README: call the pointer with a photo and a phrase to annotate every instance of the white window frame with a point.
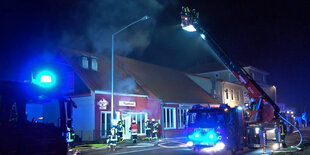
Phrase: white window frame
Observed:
(232, 94)
(238, 95)
(141, 122)
(172, 115)
(180, 111)
(94, 64)
(106, 113)
(85, 62)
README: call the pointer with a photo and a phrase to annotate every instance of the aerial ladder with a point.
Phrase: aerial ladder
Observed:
(266, 111)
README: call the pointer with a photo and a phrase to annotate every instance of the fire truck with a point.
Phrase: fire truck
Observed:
(226, 127)
(20, 135)
(215, 129)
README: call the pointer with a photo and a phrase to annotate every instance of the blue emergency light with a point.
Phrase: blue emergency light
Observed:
(44, 78)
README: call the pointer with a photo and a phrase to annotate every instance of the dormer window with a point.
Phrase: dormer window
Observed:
(84, 62)
(94, 64)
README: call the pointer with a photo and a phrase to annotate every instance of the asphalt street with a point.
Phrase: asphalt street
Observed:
(177, 146)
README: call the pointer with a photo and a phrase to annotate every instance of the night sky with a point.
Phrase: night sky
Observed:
(270, 35)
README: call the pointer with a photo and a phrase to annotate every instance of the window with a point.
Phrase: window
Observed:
(94, 64)
(140, 119)
(170, 118)
(232, 94)
(105, 124)
(182, 117)
(85, 62)
(226, 93)
(105, 127)
(238, 95)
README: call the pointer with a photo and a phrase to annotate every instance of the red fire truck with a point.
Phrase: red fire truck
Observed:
(229, 128)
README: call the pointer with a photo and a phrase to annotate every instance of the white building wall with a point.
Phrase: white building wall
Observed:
(84, 117)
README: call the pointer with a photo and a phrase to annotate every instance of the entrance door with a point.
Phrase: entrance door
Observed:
(127, 123)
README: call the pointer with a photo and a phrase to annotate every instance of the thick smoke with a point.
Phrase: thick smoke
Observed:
(93, 23)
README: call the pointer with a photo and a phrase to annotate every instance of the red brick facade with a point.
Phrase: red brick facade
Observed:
(143, 104)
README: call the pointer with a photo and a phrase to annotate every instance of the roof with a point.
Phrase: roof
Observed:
(101, 79)
(166, 84)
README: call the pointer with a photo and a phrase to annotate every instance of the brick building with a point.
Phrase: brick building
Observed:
(142, 91)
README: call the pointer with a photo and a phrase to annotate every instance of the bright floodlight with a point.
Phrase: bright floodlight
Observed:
(189, 143)
(203, 36)
(211, 136)
(239, 108)
(257, 130)
(219, 146)
(189, 28)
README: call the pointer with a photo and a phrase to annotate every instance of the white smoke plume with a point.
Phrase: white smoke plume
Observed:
(93, 23)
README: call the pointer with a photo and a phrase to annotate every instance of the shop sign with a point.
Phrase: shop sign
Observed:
(127, 103)
(103, 104)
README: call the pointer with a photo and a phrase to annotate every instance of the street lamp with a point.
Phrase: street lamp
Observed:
(112, 66)
(275, 93)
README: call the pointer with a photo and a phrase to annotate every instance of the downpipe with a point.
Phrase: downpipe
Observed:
(301, 137)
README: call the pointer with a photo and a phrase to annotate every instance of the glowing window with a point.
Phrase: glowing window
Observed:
(85, 62)
(94, 64)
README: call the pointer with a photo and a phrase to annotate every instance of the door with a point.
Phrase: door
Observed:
(127, 123)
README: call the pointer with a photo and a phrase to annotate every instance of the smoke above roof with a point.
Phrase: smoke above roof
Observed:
(93, 22)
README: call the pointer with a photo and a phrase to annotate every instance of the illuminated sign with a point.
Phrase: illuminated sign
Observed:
(103, 104)
(127, 103)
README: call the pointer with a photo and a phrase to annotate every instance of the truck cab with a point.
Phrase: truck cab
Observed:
(215, 129)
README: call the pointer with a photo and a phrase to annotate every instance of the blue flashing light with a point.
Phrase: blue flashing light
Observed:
(45, 79)
(196, 135)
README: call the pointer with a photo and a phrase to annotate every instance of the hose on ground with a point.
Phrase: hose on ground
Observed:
(301, 137)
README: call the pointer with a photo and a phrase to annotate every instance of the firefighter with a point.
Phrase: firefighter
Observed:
(148, 127)
(252, 106)
(134, 131)
(120, 129)
(112, 138)
(155, 128)
(282, 133)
